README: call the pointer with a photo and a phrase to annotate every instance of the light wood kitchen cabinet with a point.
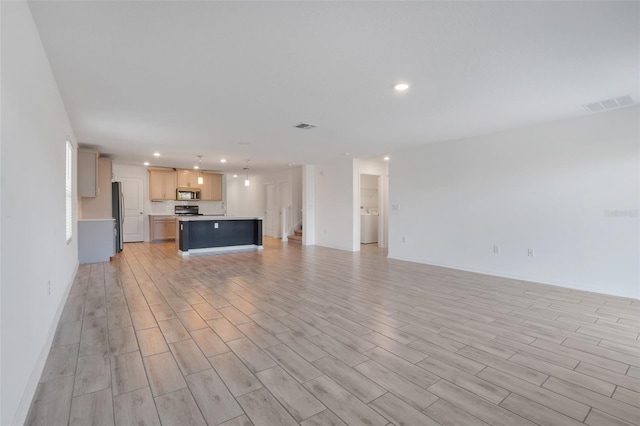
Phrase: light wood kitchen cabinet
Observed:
(88, 172)
(162, 184)
(162, 228)
(188, 179)
(211, 187)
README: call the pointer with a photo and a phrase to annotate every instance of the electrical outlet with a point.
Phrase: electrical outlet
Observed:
(404, 239)
(395, 207)
(49, 288)
(215, 225)
(531, 253)
(496, 249)
(325, 230)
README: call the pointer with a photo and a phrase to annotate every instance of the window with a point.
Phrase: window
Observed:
(69, 191)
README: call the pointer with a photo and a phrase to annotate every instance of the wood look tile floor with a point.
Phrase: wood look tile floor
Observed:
(314, 336)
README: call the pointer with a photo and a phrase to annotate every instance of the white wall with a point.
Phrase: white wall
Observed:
(336, 204)
(296, 188)
(35, 127)
(309, 205)
(544, 187)
(245, 201)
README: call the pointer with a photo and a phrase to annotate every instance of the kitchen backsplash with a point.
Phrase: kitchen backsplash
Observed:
(167, 207)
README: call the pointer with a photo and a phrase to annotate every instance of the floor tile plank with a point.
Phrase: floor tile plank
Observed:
(296, 399)
(360, 386)
(263, 409)
(396, 384)
(151, 341)
(215, 401)
(235, 374)
(136, 408)
(127, 373)
(93, 374)
(51, 403)
(92, 409)
(189, 357)
(476, 406)
(399, 412)
(294, 364)
(179, 408)
(164, 374)
(346, 406)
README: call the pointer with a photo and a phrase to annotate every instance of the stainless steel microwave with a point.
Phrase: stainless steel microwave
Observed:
(188, 194)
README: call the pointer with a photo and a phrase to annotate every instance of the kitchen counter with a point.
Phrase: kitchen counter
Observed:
(213, 217)
(201, 234)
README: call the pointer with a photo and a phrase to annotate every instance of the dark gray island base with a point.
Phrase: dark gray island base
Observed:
(202, 234)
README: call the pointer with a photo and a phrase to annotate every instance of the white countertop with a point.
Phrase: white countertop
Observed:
(214, 217)
(96, 220)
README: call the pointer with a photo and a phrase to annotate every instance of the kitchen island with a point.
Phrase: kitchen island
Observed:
(203, 234)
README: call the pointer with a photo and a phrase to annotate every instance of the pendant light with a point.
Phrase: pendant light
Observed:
(246, 181)
(200, 179)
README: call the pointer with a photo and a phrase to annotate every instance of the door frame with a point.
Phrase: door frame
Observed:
(280, 197)
(275, 213)
(141, 220)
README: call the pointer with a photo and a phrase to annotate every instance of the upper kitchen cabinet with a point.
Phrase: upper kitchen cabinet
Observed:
(98, 207)
(162, 184)
(188, 179)
(88, 172)
(211, 186)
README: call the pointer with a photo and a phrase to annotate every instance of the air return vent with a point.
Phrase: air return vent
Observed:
(305, 126)
(620, 102)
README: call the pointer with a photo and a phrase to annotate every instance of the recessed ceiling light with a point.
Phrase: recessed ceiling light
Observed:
(401, 87)
(156, 154)
(290, 164)
(386, 158)
(146, 163)
(222, 160)
(346, 154)
(196, 167)
(235, 176)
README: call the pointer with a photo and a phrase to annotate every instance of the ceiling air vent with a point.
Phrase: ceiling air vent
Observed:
(620, 102)
(305, 126)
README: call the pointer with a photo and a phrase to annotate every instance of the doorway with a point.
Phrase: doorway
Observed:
(133, 221)
(370, 206)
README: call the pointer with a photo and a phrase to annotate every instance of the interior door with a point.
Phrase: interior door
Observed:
(133, 221)
(270, 214)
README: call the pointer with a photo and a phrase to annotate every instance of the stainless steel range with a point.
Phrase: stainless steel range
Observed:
(187, 211)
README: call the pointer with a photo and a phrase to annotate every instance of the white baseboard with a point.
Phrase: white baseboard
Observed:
(546, 281)
(334, 247)
(30, 390)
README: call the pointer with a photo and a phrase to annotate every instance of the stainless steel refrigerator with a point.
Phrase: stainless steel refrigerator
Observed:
(117, 207)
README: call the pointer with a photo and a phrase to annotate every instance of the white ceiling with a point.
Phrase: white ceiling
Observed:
(188, 78)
